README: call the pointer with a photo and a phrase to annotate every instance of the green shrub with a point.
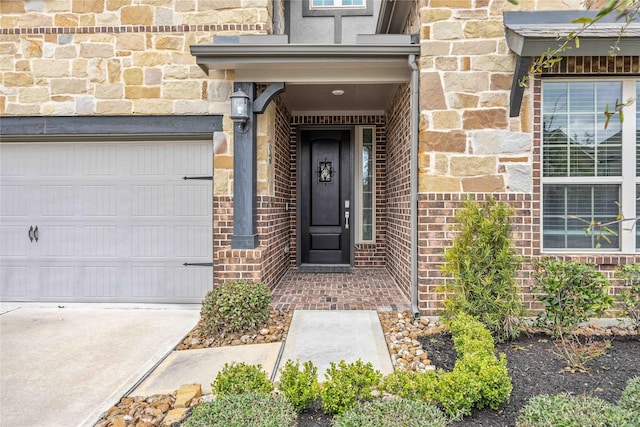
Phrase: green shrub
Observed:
(347, 384)
(234, 306)
(571, 292)
(630, 399)
(239, 378)
(569, 411)
(242, 410)
(411, 385)
(630, 297)
(392, 413)
(300, 387)
(479, 379)
(484, 264)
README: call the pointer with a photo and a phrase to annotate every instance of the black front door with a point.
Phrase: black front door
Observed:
(325, 182)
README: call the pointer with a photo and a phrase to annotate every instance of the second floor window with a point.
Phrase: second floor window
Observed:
(329, 4)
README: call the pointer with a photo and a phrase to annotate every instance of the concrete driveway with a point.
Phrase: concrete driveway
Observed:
(65, 366)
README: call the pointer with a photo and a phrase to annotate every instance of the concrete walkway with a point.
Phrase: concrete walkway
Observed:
(65, 366)
(320, 336)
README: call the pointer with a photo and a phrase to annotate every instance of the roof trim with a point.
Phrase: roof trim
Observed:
(532, 33)
(302, 57)
(36, 128)
(393, 16)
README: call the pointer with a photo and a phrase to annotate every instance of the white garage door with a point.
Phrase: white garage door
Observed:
(105, 221)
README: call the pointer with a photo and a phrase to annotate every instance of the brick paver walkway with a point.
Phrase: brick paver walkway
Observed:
(362, 289)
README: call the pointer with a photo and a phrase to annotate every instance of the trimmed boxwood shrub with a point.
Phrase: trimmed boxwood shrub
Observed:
(242, 410)
(239, 378)
(479, 379)
(348, 384)
(234, 306)
(299, 386)
(392, 413)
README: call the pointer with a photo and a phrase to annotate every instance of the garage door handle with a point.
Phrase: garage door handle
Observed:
(31, 233)
(35, 233)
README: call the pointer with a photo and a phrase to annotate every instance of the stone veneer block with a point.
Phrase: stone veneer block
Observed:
(461, 4)
(488, 184)
(450, 142)
(520, 178)
(11, 6)
(136, 15)
(473, 165)
(439, 184)
(17, 79)
(466, 82)
(431, 92)
(489, 118)
(87, 6)
(434, 15)
(500, 142)
(484, 29)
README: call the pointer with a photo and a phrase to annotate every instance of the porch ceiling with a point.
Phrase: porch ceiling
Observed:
(367, 73)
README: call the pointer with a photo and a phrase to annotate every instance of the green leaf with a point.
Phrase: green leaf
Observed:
(584, 20)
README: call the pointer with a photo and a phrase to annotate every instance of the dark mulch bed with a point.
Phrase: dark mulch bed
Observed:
(536, 369)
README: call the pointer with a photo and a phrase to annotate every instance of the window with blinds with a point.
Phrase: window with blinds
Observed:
(589, 166)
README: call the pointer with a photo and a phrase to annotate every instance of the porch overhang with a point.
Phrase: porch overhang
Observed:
(532, 34)
(299, 63)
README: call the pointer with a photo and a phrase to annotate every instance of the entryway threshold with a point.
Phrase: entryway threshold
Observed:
(324, 268)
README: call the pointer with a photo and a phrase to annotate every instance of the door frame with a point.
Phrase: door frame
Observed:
(299, 130)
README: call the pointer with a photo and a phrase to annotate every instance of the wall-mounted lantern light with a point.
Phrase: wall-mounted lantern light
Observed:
(240, 109)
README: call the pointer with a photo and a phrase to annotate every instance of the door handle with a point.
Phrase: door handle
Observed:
(35, 233)
(31, 233)
(346, 219)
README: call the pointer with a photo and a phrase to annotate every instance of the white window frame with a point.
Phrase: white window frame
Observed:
(627, 181)
(337, 4)
(359, 205)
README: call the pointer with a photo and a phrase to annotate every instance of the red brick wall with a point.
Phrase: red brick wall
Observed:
(399, 189)
(274, 221)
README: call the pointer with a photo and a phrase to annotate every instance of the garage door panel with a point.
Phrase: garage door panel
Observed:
(100, 281)
(191, 242)
(148, 241)
(13, 281)
(116, 221)
(148, 160)
(191, 200)
(148, 200)
(13, 240)
(100, 241)
(57, 240)
(57, 200)
(13, 201)
(99, 200)
(148, 282)
(58, 281)
(58, 162)
(99, 160)
(191, 281)
(192, 160)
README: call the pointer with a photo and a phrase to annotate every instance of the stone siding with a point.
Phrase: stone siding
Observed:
(468, 143)
(114, 57)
